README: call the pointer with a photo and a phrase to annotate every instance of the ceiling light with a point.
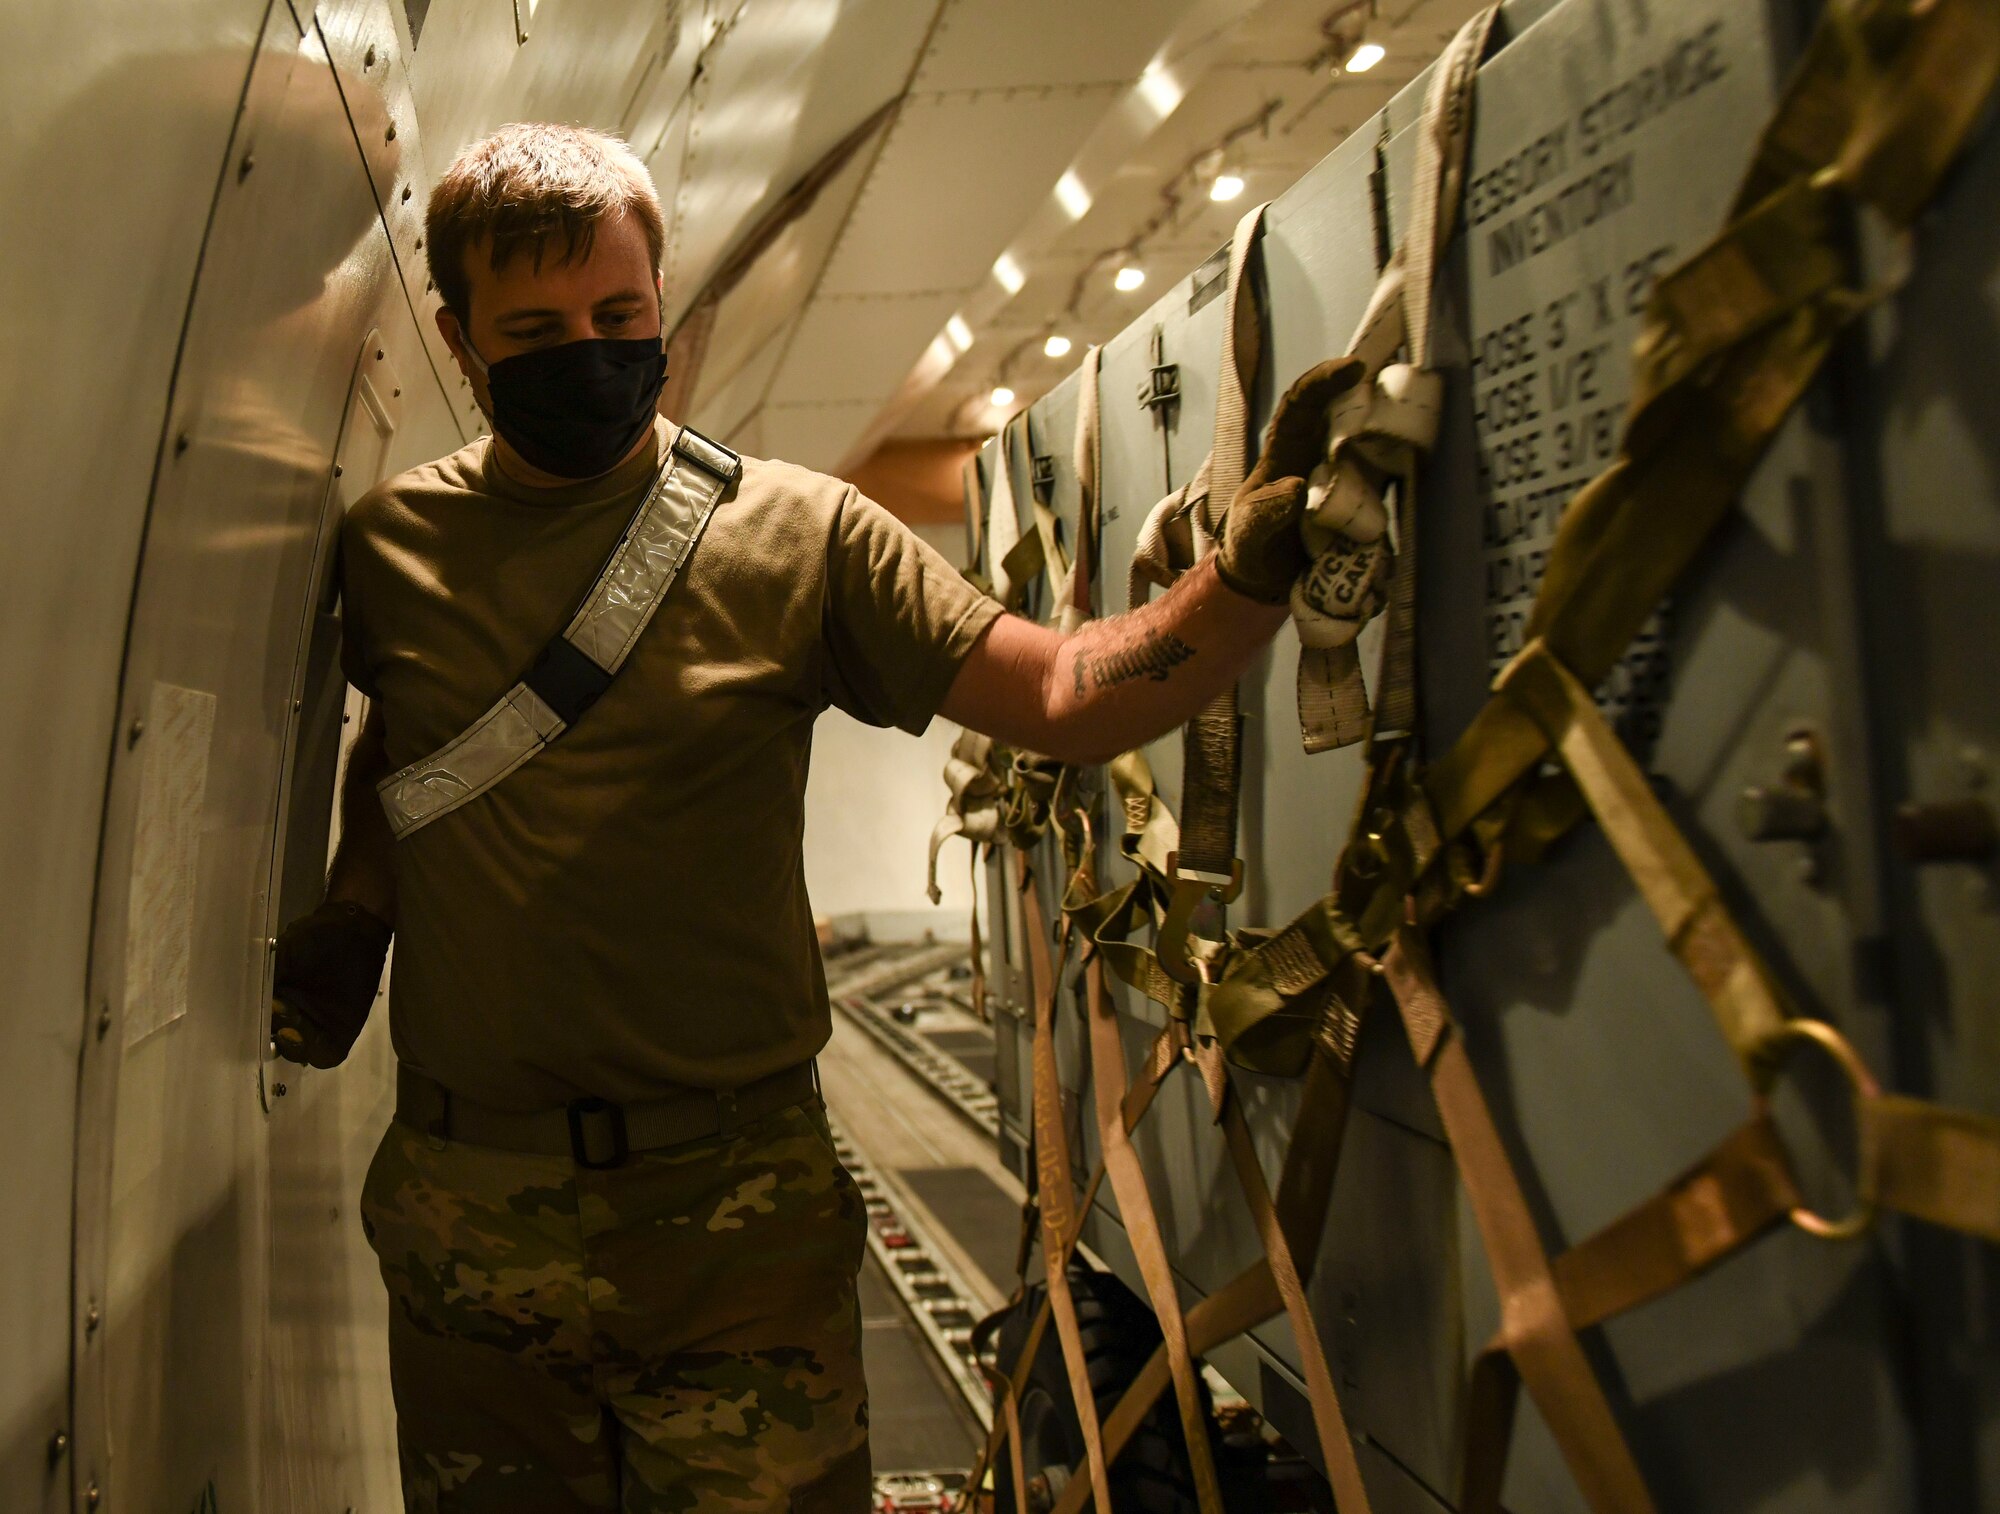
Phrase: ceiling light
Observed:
(1364, 57)
(1160, 89)
(1129, 279)
(1008, 272)
(1074, 197)
(958, 333)
(1056, 346)
(1227, 186)
(1002, 397)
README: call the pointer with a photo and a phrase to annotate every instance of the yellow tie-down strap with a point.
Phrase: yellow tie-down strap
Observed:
(578, 665)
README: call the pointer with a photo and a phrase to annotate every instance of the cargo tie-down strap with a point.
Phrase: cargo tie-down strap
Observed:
(1883, 102)
(1173, 877)
(1361, 502)
(996, 792)
(1180, 531)
(578, 665)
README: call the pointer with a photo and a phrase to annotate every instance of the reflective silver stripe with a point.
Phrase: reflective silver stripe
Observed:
(506, 736)
(646, 563)
(617, 609)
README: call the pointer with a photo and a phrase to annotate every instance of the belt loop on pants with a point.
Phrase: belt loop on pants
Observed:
(597, 1134)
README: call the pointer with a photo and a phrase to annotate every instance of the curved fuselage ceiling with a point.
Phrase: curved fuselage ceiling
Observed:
(880, 210)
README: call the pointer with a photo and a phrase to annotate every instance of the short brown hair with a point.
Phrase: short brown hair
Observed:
(528, 187)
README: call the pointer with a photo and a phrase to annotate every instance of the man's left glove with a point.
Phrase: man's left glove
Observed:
(323, 984)
(1263, 549)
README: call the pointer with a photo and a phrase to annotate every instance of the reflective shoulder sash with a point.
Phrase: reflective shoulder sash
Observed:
(578, 665)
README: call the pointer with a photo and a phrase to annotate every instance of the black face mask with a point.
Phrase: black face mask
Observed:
(577, 409)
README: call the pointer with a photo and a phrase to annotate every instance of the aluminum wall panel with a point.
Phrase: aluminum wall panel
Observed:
(184, 1128)
(97, 134)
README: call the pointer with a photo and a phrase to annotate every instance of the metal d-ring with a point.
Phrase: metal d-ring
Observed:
(1865, 1091)
(1088, 848)
(1489, 872)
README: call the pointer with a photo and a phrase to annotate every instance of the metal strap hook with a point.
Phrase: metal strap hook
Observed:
(1190, 888)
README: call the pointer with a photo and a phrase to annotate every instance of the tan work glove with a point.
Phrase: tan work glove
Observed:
(329, 965)
(1263, 549)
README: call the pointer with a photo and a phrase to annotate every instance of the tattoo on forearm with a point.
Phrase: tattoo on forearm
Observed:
(1153, 656)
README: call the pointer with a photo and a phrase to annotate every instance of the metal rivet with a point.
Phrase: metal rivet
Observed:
(271, 1047)
(297, 705)
(395, 394)
(390, 135)
(270, 943)
(58, 1445)
(103, 1022)
(420, 248)
(181, 444)
(243, 169)
(92, 1318)
(406, 194)
(278, 1090)
(338, 470)
(92, 1497)
(368, 58)
(134, 731)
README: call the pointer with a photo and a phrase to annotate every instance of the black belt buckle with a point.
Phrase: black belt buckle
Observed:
(613, 1121)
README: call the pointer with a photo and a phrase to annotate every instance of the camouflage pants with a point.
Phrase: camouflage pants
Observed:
(680, 1333)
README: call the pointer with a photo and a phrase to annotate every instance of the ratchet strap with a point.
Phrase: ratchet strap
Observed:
(1062, 1219)
(1361, 502)
(1179, 532)
(578, 665)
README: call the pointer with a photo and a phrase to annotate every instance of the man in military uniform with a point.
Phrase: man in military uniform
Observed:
(620, 1249)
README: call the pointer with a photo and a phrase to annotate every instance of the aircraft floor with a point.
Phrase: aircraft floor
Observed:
(916, 1418)
(949, 1180)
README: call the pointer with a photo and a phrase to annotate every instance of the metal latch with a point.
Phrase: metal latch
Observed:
(1793, 808)
(1163, 384)
(1042, 475)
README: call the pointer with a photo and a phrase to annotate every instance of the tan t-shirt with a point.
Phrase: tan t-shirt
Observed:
(628, 911)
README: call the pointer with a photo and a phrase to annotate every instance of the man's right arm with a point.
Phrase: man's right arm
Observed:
(364, 870)
(329, 963)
